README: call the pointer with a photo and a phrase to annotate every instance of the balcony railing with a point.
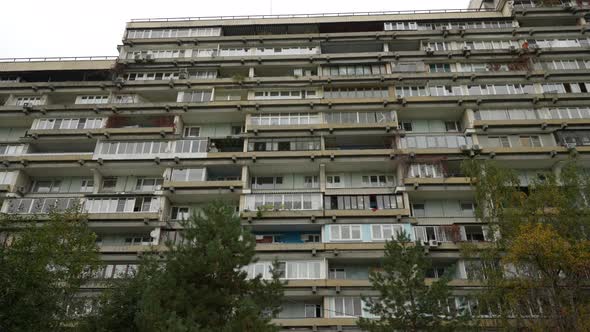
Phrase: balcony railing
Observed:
(434, 141)
(151, 149)
(52, 59)
(284, 202)
(40, 205)
(250, 17)
(44, 205)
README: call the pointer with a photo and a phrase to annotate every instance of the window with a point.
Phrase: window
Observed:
(125, 99)
(360, 117)
(187, 174)
(7, 177)
(284, 144)
(440, 68)
(266, 182)
(311, 181)
(385, 232)
(138, 240)
(418, 210)
(313, 310)
(377, 180)
(109, 184)
(337, 273)
(87, 186)
(304, 270)
(197, 96)
(28, 100)
(101, 99)
(334, 181)
(474, 233)
(406, 126)
(180, 213)
(467, 209)
(192, 131)
(311, 238)
(237, 130)
(499, 141)
(425, 171)
(347, 307)
(46, 186)
(452, 126)
(345, 232)
(530, 141)
(148, 184)
(356, 93)
(303, 201)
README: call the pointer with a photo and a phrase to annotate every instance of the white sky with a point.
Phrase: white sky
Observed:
(40, 28)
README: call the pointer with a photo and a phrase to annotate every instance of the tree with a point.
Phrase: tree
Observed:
(539, 264)
(43, 268)
(199, 285)
(406, 301)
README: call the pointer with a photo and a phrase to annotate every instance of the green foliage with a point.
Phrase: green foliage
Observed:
(542, 251)
(407, 302)
(199, 285)
(42, 270)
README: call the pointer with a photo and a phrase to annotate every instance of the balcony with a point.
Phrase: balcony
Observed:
(214, 180)
(364, 205)
(123, 207)
(188, 148)
(322, 121)
(435, 142)
(283, 205)
(40, 206)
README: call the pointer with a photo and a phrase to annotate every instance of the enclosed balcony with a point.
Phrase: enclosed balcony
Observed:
(435, 141)
(282, 205)
(365, 142)
(221, 179)
(42, 205)
(124, 207)
(365, 205)
(188, 148)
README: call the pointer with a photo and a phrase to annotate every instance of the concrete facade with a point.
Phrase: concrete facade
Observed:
(328, 134)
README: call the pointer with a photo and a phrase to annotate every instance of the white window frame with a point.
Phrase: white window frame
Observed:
(340, 230)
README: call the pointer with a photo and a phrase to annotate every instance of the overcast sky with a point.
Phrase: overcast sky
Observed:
(41, 28)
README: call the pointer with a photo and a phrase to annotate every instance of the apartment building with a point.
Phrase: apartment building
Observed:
(328, 133)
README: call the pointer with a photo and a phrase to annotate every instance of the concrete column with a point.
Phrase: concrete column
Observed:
(322, 178)
(251, 73)
(97, 176)
(468, 118)
(245, 177)
(178, 125)
(400, 174)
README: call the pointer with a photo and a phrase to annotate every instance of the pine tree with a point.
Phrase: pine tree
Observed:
(199, 285)
(42, 270)
(407, 302)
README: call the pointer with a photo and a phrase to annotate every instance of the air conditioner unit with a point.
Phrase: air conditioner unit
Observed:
(464, 147)
(476, 147)
(433, 243)
(150, 58)
(466, 48)
(429, 51)
(570, 145)
(259, 237)
(138, 58)
(513, 49)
